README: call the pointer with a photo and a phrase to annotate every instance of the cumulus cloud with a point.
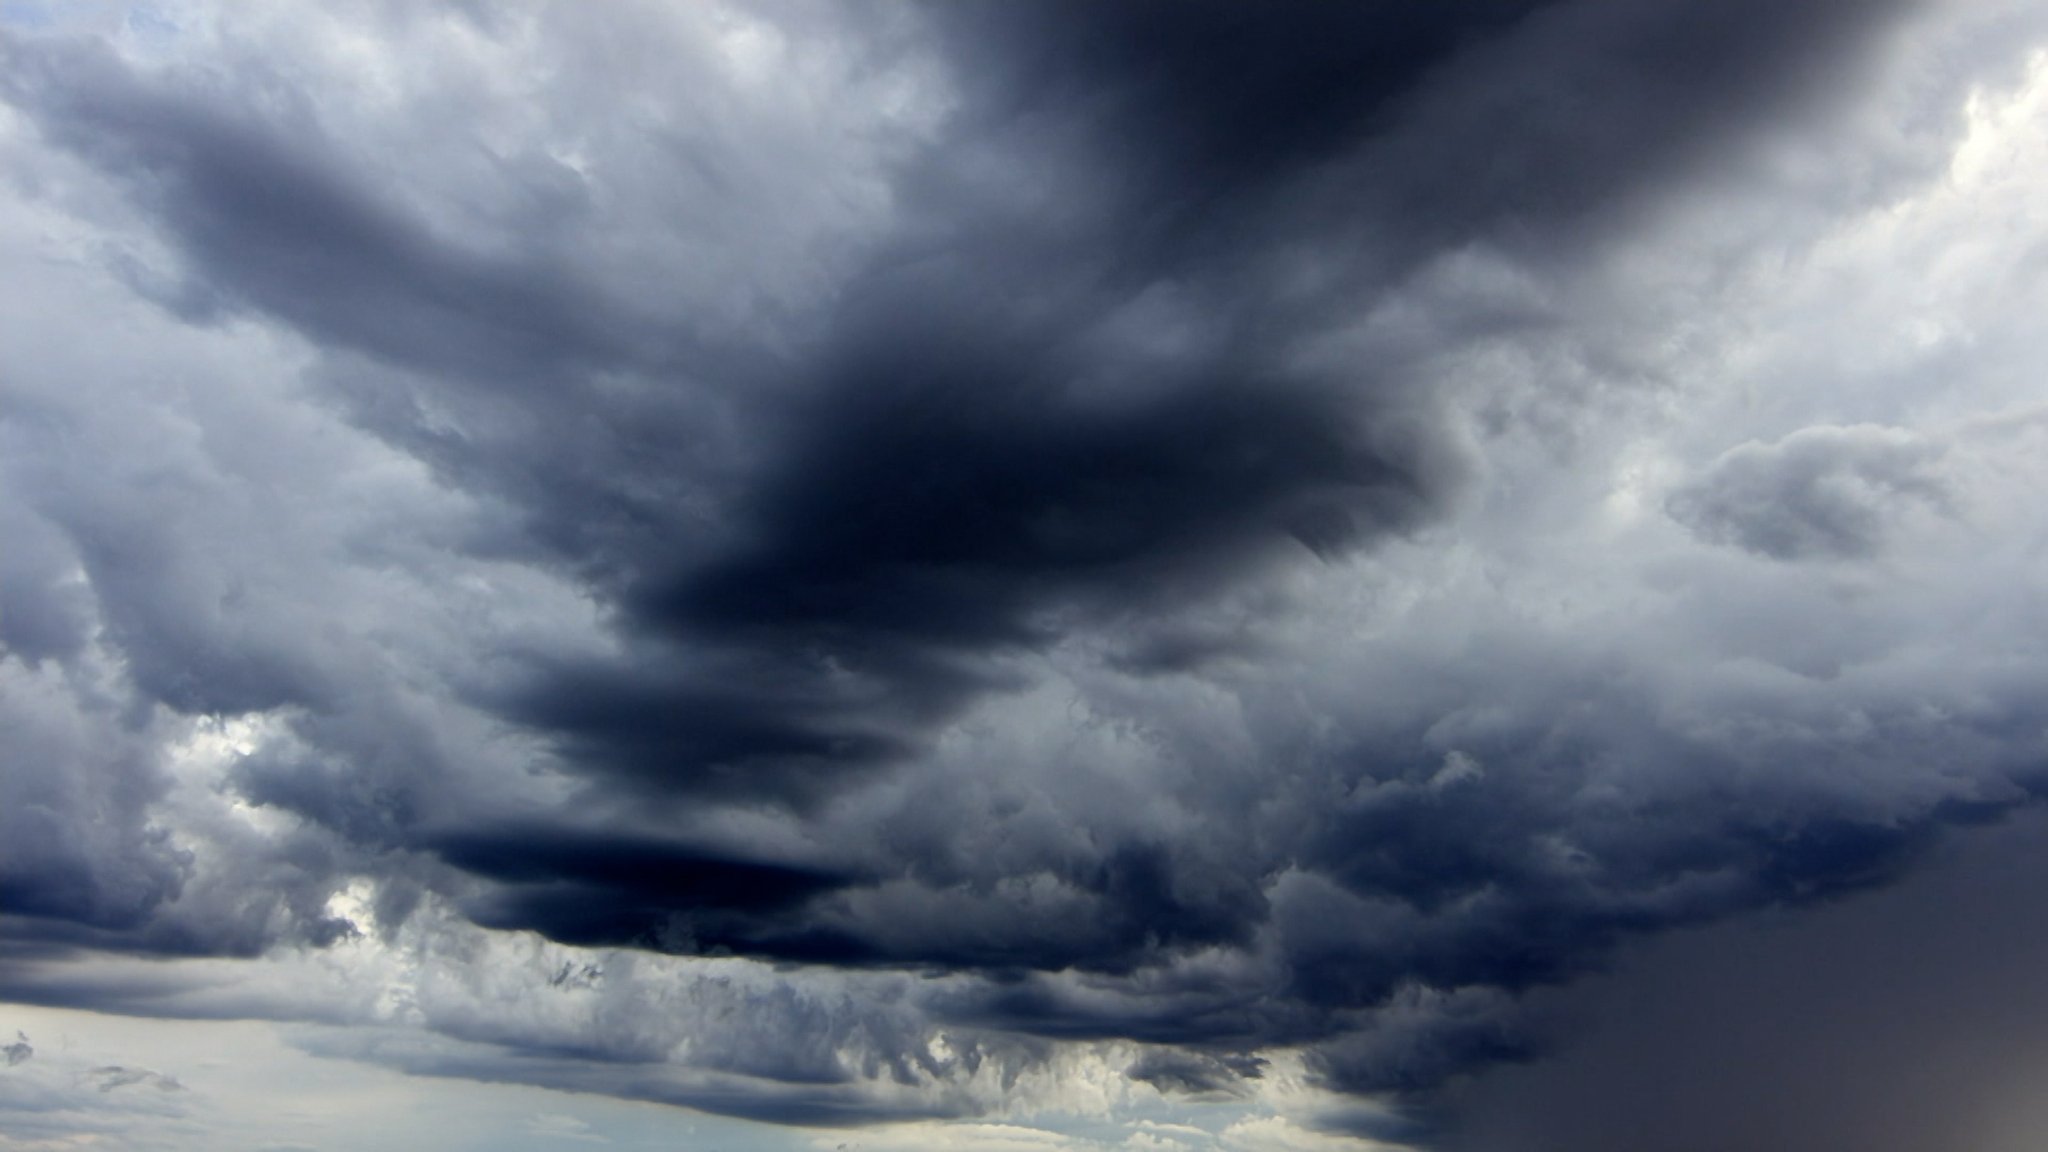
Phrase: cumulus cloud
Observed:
(985, 560)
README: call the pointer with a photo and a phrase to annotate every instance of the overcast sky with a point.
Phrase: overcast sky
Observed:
(1037, 577)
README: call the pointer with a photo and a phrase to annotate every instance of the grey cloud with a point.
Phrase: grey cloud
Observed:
(44, 612)
(776, 1100)
(270, 212)
(1820, 493)
(79, 845)
(973, 582)
(1198, 1074)
(739, 1045)
(110, 1077)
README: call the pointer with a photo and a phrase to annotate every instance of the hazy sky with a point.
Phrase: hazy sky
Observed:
(1146, 575)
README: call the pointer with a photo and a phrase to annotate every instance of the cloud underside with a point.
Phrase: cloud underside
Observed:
(1197, 530)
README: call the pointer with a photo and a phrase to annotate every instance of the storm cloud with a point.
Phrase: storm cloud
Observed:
(843, 567)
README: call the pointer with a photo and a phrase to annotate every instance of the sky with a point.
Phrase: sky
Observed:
(1045, 577)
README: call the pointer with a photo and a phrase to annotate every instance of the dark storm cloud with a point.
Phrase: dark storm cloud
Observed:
(1072, 406)
(76, 847)
(949, 486)
(973, 473)
(948, 507)
(943, 498)
(1213, 95)
(1905, 1019)
(1408, 916)
(1369, 138)
(1420, 125)
(600, 889)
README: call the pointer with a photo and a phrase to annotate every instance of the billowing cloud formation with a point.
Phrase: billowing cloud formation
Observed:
(983, 558)
(1820, 492)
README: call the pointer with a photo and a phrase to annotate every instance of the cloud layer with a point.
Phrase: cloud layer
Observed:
(994, 559)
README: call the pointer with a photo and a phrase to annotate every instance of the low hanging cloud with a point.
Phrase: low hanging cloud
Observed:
(1760, 1032)
(839, 571)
